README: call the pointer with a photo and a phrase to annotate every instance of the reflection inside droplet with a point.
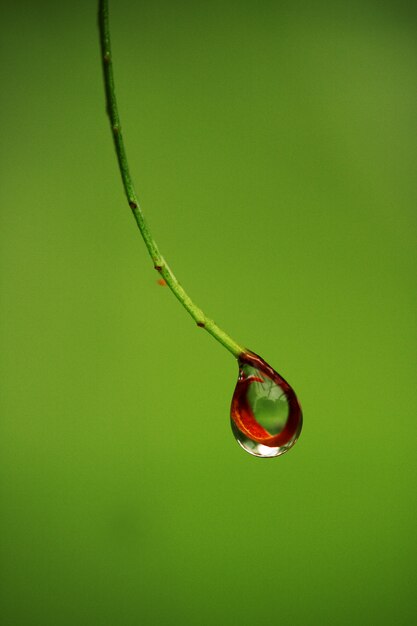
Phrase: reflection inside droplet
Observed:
(266, 416)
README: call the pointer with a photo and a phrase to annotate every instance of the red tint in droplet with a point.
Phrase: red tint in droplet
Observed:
(262, 395)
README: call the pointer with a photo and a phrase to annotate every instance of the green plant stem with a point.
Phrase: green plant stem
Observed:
(158, 260)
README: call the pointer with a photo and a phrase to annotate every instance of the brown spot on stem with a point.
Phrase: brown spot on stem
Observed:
(106, 57)
(201, 324)
(133, 205)
(158, 268)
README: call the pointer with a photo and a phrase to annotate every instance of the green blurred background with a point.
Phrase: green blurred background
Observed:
(273, 148)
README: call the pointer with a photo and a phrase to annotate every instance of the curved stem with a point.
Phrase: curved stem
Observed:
(158, 260)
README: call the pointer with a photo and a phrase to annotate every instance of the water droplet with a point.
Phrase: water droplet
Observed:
(266, 417)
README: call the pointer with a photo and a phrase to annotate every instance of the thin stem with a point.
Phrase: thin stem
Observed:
(158, 260)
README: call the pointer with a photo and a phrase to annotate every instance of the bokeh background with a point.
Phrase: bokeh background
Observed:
(273, 148)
